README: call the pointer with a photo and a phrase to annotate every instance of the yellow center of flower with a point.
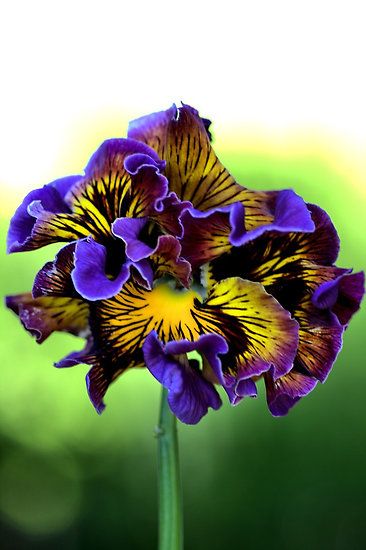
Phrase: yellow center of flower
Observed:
(171, 306)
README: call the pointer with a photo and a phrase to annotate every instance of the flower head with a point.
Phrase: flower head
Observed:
(172, 265)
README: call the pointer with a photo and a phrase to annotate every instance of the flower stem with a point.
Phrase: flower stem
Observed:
(170, 497)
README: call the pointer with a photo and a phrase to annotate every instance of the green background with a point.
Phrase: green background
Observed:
(70, 479)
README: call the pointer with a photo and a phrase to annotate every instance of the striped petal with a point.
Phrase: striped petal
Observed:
(181, 137)
(320, 339)
(285, 263)
(285, 392)
(108, 190)
(260, 334)
(209, 235)
(54, 279)
(47, 314)
(22, 224)
(342, 295)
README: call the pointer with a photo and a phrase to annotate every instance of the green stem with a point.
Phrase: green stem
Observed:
(170, 498)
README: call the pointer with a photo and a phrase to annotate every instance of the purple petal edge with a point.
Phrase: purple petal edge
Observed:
(51, 199)
(189, 394)
(291, 214)
(89, 276)
(343, 295)
(280, 401)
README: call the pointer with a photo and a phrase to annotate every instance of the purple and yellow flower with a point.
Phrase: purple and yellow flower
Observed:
(172, 265)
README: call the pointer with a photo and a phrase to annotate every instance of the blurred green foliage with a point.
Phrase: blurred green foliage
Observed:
(70, 479)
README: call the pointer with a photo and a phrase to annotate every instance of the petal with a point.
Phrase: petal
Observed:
(206, 238)
(259, 332)
(189, 394)
(167, 261)
(23, 222)
(129, 230)
(285, 392)
(165, 256)
(290, 214)
(44, 315)
(208, 235)
(77, 357)
(148, 187)
(106, 192)
(105, 369)
(89, 276)
(343, 295)
(193, 169)
(285, 263)
(168, 214)
(152, 129)
(320, 339)
(54, 279)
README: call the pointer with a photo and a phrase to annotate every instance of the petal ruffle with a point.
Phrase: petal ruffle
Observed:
(90, 278)
(285, 263)
(285, 392)
(107, 191)
(189, 394)
(209, 235)
(259, 332)
(342, 295)
(22, 223)
(166, 260)
(44, 315)
(54, 279)
(320, 339)
(194, 172)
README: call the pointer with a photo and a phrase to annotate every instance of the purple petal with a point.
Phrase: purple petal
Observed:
(63, 185)
(290, 215)
(22, 223)
(283, 394)
(112, 150)
(168, 213)
(135, 162)
(76, 357)
(89, 275)
(54, 279)
(129, 229)
(326, 295)
(241, 389)
(343, 295)
(189, 394)
(152, 128)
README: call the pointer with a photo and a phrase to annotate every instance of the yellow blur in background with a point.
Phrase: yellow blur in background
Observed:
(282, 83)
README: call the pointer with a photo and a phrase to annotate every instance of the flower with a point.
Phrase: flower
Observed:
(172, 265)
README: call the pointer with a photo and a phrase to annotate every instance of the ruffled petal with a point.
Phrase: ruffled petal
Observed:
(285, 392)
(168, 213)
(90, 277)
(209, 235)
(189, 394)
(44, 315)
(152, 129)
(290, 214)
(54, 279)
(129, 230)
(342, 295)
(107, 191)
(166, 259)
(285, 263)
(259, 332)
(320, 339)
(23, 222)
